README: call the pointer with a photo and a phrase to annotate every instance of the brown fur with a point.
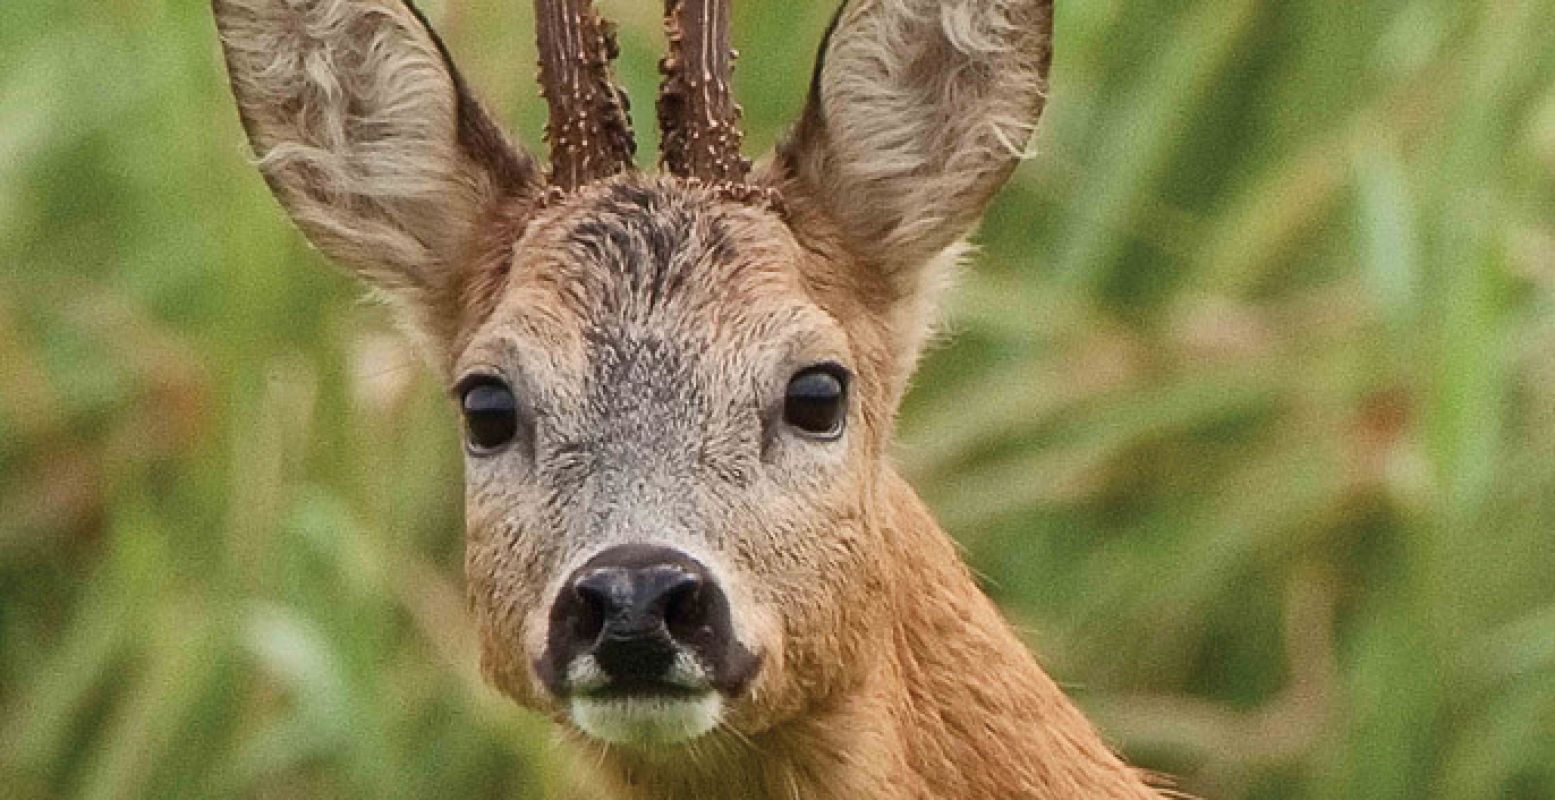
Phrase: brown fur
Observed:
(650, 324)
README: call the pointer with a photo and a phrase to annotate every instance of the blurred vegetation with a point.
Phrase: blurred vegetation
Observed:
(1249, 416)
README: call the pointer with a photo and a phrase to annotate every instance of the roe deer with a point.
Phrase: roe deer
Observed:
(686, 540)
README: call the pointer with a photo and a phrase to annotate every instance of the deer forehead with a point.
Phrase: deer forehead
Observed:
(636, 295)
(653, 326)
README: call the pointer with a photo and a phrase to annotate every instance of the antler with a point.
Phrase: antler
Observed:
(698, 118)
(589, 131)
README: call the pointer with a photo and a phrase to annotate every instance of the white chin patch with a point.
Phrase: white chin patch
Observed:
(647, 720)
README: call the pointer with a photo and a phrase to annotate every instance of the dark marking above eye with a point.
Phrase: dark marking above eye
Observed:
(650, 246)
(719, 243)
(636, 196)
(604, 240)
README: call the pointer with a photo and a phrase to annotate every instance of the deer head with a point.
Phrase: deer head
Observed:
(678, 390)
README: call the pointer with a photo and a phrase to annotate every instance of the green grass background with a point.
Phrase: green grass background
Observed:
(1248, 418)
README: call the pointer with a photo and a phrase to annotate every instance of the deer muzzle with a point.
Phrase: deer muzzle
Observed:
(641, 647)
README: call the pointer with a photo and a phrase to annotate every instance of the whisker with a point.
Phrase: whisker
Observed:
(739, 736)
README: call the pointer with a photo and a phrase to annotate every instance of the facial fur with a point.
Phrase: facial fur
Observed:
(650, 328)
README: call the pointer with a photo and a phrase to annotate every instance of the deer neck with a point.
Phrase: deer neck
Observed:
(979, 717)
(959, 710)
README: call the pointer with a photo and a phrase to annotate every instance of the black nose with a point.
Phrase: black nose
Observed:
(632, 614)
(634, 608)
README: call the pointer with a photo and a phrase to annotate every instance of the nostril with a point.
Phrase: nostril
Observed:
(588, 619)
(685, 612)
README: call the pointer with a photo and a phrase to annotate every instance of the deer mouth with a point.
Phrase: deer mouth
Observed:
(675, 707)
(661, 718)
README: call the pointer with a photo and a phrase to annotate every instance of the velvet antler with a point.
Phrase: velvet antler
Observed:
(589, 131)
(698, 118)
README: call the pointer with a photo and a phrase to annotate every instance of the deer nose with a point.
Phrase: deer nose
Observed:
(631, 615)
(634, 608)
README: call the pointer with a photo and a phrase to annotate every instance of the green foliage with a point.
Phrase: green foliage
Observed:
(1249, 415)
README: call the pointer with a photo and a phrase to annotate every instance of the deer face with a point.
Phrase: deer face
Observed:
(675, 465)
(676, 391)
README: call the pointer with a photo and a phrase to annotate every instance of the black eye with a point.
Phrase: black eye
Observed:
(490, 413)
(816, 402)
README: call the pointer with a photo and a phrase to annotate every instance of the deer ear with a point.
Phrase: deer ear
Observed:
(365, 133)
(918, 112)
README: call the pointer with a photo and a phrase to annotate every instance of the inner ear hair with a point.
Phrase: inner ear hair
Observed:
(918, 112)
(369, 138)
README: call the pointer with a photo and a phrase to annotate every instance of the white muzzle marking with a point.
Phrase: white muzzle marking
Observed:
(649, 719)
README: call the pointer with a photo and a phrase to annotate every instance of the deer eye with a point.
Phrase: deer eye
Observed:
(816, 402)
(490, 413)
